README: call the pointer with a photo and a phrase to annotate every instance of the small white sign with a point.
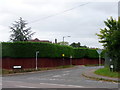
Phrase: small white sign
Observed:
(17, 67)
(110, 60)
(111, 66)
(70, 56)
(99, 51)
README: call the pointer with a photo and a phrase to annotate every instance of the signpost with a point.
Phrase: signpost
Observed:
(71, 60)
(99, 52)
(63, 55)
(111, 68)
(36, 59)
(63, 58)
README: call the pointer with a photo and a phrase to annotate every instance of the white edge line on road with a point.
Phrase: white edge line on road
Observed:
(62, 85)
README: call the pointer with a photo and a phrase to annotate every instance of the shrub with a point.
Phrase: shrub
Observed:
(28, 49)
(79, 53)
(47, 50)
(91, 53)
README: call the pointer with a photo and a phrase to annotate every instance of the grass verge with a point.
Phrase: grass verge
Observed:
(5, 72)
(106, 72)
(103, 79)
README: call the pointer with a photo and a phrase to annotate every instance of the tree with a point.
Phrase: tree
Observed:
(20, 32)
(75, 44)
(110, 37)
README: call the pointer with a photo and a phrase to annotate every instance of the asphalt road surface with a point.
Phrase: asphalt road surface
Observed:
(64, 78)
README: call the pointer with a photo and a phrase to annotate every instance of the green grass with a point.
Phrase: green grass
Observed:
(91, 65)
(5, 71)
(107, 72)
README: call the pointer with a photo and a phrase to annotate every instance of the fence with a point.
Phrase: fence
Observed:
(25, 63)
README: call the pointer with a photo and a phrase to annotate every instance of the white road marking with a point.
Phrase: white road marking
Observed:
(66, 71)
(61, 75)
(62, 85)
(57, 76)
(65, 74)
(52, 79)
(56, 79)
(45, 79)
(112, 83)
(26, 87)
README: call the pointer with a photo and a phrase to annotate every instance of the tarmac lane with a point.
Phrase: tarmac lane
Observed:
(60, 78)
(15, 84)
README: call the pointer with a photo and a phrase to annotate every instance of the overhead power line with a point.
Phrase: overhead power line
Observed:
(40, 19)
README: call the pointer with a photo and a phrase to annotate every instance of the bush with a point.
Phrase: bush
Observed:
(91, 53)
(79, 53)
(28, 49)
(47, 50)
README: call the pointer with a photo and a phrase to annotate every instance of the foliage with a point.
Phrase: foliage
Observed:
(75, 44)
(48, 50)
(92, 53)
(107, 72)
(79, 53)
(28, 49)
(110, 37)
(20, 32)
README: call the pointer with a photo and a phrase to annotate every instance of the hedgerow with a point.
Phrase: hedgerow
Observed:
(48, 50)
(79, 53)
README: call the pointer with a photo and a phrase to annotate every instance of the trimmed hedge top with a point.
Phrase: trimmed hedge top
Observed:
(48, 50)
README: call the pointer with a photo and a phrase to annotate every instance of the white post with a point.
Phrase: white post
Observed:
(99, 51)
(71, 60)
(36, 59)
(99, 60)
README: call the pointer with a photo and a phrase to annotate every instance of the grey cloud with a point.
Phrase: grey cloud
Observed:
(81, 23)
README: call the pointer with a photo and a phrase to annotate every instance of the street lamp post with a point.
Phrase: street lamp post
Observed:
(64, 38)
(36, 59)
(99, 52)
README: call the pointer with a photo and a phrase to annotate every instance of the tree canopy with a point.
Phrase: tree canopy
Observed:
(20, 32)
(110, 37)
(77, 45)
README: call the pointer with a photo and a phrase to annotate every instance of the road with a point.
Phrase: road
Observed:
(62, 78)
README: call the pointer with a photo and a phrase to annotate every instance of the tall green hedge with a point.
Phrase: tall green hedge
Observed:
(79, 53)
(28, 49)
(48, 50)
(91, 53)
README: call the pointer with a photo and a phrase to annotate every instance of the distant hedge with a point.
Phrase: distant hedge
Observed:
(79, 53)
(48, 50)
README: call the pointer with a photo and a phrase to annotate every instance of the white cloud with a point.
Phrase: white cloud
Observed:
(4, 33)
(80, 23)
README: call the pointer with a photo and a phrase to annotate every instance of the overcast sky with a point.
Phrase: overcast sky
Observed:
(52, 19)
